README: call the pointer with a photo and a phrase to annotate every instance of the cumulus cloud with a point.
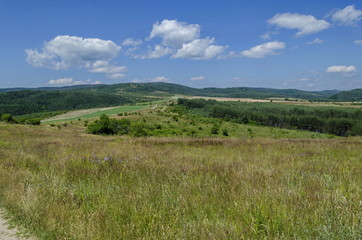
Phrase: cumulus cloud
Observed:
(159, 79)
(158, 51)
(347, 71)
(70, 81)
(347, 16)
(175, 33)
(112, 72)
(65, 51)
(198, 78)
(306, 24)
(268, 35)
(315, 41)
(343, 69)
(180, 40)
(154, 79)
(358, 42)
(263, 50)
(199, 49)
(131, 42)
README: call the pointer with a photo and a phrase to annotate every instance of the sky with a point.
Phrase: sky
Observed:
(309, 45)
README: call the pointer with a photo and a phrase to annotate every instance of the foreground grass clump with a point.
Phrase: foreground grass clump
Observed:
(65, 184)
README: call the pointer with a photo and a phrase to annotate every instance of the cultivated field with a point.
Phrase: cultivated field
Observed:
(91, 113)
(281, 101)
(66, 184)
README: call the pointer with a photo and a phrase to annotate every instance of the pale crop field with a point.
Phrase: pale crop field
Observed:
(66, 184)
(92, 113)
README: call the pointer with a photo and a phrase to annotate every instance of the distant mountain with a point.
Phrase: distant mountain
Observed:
(348, 96)
(20, 101)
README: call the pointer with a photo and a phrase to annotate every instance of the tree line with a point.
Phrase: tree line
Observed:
(332, 120)
(29, 101)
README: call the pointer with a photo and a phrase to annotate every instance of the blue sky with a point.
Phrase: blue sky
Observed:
(310, 45)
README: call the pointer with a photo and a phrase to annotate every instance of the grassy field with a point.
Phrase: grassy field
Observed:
(92, 113)
(291, 101)
(66, 184)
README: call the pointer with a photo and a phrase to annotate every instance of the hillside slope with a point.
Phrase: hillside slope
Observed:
(81, 97)
(348, 96)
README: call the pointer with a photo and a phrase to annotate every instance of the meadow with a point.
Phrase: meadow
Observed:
(262, 183)
(71, 116)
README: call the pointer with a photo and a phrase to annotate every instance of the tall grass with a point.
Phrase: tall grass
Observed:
(65, 184)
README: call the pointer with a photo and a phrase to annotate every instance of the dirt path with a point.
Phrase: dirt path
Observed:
(8, 234)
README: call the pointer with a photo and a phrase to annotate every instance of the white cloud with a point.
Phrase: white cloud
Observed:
(112, 72)
(347, 16)
(316, 41)
(175, 33)
(199, 49)
(341, 69)
(61, 81)
(358, 42)
(306, 24)
(268, 35)
(159, 79)
(65, 51)
(71, 81)
(131, 42)
(263, 50)
(198, 78)
(311, 85)
(180, 40)
(136, 80)
(154, 79)
(238, 79)
(158, 51)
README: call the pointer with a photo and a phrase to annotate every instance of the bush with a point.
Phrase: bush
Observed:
(215, 129)
(139, 129)
(108, 126)
(101, 126)
(225, 132)
(340, 127)
(6, 117)
(33, 121)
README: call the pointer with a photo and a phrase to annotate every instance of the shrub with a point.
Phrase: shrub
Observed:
(215, 129)
(6, 117)
(33, 121)
(356, 130)
(225, 132)
(139, 129)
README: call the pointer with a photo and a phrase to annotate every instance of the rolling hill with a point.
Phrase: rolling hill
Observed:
(348, 96)
(24, 101)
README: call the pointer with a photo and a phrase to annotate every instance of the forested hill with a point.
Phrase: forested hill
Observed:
(348, 96)
(27, 101)
(235, 92)
(18, 102)
(170, 88)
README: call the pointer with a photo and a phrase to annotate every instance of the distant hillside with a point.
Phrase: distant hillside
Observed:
(18, 102)
(28, 101)
(236, 92)
(348, 96)
(49, 88)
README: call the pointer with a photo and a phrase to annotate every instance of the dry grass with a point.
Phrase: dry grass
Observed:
(64, 184)
(279, 100)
